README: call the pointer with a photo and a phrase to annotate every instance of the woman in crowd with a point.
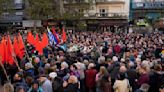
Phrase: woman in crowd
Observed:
(121, 84)
(90, 76)
(100, 76)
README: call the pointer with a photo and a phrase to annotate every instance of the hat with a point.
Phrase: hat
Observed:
(53, 75)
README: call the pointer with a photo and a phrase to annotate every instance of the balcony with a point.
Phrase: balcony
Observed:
(74, 1)
(109, 1)
(148, 5)
(106, 15)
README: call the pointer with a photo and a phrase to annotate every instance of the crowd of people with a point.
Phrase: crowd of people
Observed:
(92, 62)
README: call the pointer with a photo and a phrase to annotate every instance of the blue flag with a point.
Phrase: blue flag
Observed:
(51, 37)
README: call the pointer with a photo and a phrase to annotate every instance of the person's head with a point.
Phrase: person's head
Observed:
(123, 69)
(18, 76)
(142, 69)
(53, 75)
(42, 78)
(28, 66)
(121, 76)
(86, 62)
(122, 60)
(72, 79)
(157, 67)
(101, 60)
(103, 70)
(91, 66)
(29, 79)
(73, 67)
(35, 85)
(64, 65)
(115, 59)
(131, 65)
(8, 87)
(20, 89)
(37, 60)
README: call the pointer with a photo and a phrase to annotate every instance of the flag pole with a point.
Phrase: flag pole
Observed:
(4, 70)
(13, 55)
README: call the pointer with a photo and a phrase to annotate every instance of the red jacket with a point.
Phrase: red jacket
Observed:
(90, 77)
(117, 49)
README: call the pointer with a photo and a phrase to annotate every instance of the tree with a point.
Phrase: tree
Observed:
(40, 9)
(5, 6)
(75, 11)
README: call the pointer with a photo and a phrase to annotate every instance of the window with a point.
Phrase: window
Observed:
(19, 13)
(103, 12)
(92, 8)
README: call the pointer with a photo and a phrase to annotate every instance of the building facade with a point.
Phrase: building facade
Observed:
(14, 18)
(151, 9)
(105, 14)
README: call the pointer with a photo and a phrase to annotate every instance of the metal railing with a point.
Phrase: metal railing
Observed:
(107, 15)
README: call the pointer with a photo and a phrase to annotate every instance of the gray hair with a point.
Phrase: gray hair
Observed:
(65, 64)
(8, 87)
(91, 65)
(101, 59)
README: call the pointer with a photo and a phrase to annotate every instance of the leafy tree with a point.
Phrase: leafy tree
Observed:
(75, 11)
(6, 6)
(40, 9)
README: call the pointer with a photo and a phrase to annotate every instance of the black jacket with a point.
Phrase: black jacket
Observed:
(71, 88)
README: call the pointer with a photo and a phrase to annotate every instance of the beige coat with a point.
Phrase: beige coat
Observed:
(121, 86)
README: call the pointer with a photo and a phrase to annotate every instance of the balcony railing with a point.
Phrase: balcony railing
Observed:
(74, 1)
(110, 1)
(148, 5)
(107, 15)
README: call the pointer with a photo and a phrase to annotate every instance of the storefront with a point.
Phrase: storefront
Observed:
(106, 24)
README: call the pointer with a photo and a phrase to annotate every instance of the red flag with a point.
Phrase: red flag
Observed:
(16, 46)
(64, 35)
(37, 39)
(38, 45)
(21, 46)
(10, 52)
(3, 50)
(44, 40)
(30, 38)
